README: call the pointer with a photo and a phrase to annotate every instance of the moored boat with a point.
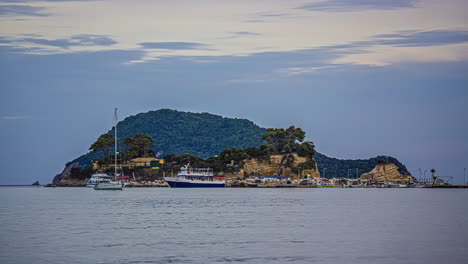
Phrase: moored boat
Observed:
(98, 177)
(325, 183)
(109, 185)
(196, 178)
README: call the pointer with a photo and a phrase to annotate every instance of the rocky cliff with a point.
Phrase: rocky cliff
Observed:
(65, 179)
(386, 171)
(276, 165)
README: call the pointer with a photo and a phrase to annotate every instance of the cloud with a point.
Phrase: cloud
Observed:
(291, 71)
(357, 5)
(264, 17)
(62, 43)
(174, 45)
(408, 38)
(254, 21)
(240, 34)
(422, 39)
(5, 40)
(271, 14)
(93, 40)
(21, 10)
(22, 7)
(246, 33)
(73, 41)
(253, 68)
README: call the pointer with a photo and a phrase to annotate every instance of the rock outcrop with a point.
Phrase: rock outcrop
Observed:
(388, 172)
(276, 165)
(64, 178)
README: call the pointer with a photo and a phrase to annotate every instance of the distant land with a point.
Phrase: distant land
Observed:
(206, 135)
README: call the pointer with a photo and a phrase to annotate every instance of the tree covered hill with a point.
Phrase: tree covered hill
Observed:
(207, 135)
(200, 134)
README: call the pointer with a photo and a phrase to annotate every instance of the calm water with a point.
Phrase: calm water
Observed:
(161, 225)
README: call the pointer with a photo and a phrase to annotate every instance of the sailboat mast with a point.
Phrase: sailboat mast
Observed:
(115, 144)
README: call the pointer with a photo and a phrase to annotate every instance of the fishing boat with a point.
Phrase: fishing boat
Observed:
(196, 178)
(112, 184)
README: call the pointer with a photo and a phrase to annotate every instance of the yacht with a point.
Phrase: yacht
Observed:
(326, 183)
(196, 178)
(98, 177)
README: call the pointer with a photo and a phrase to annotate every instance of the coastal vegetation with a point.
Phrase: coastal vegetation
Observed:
(104, 143)
(132, 147)
(175, 132)
(279, 141)
(333, 167)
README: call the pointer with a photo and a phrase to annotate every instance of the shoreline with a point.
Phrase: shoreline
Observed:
(454, 186)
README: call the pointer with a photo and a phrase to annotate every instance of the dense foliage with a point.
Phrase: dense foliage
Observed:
(132, 147)
(284, 140)
(339, 167)
(280, 141)
(204, 135)
(137, 146)
(104, 143)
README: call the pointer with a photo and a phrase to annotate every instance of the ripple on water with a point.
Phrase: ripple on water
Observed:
(159, 225)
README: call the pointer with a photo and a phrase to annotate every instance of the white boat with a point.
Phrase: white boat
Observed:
(326, 183)
(109, 185)
(196, 178)
(112, 184)
(98, 177)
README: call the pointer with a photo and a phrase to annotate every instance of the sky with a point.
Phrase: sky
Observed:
(361, 77)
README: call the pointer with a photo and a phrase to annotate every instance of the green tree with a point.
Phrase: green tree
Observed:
(288, 160)
(284, 140)
(138, 146)
(307, 149)
(234, 154)
(103, 143)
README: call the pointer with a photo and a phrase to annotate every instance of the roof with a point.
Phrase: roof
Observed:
(139, 160)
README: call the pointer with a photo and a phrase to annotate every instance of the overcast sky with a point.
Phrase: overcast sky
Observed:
(361, 77)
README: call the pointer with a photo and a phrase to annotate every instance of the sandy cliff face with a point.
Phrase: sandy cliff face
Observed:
(385, 171)
(276, 165)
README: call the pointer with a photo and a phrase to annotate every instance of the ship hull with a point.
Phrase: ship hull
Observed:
(108, 186)
(188, 184)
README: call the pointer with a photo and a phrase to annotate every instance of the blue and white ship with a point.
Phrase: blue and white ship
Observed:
(196, 178)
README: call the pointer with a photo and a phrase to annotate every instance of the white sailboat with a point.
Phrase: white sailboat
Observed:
(114, 184)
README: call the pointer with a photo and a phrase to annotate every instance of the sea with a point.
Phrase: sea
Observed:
(233, 225)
